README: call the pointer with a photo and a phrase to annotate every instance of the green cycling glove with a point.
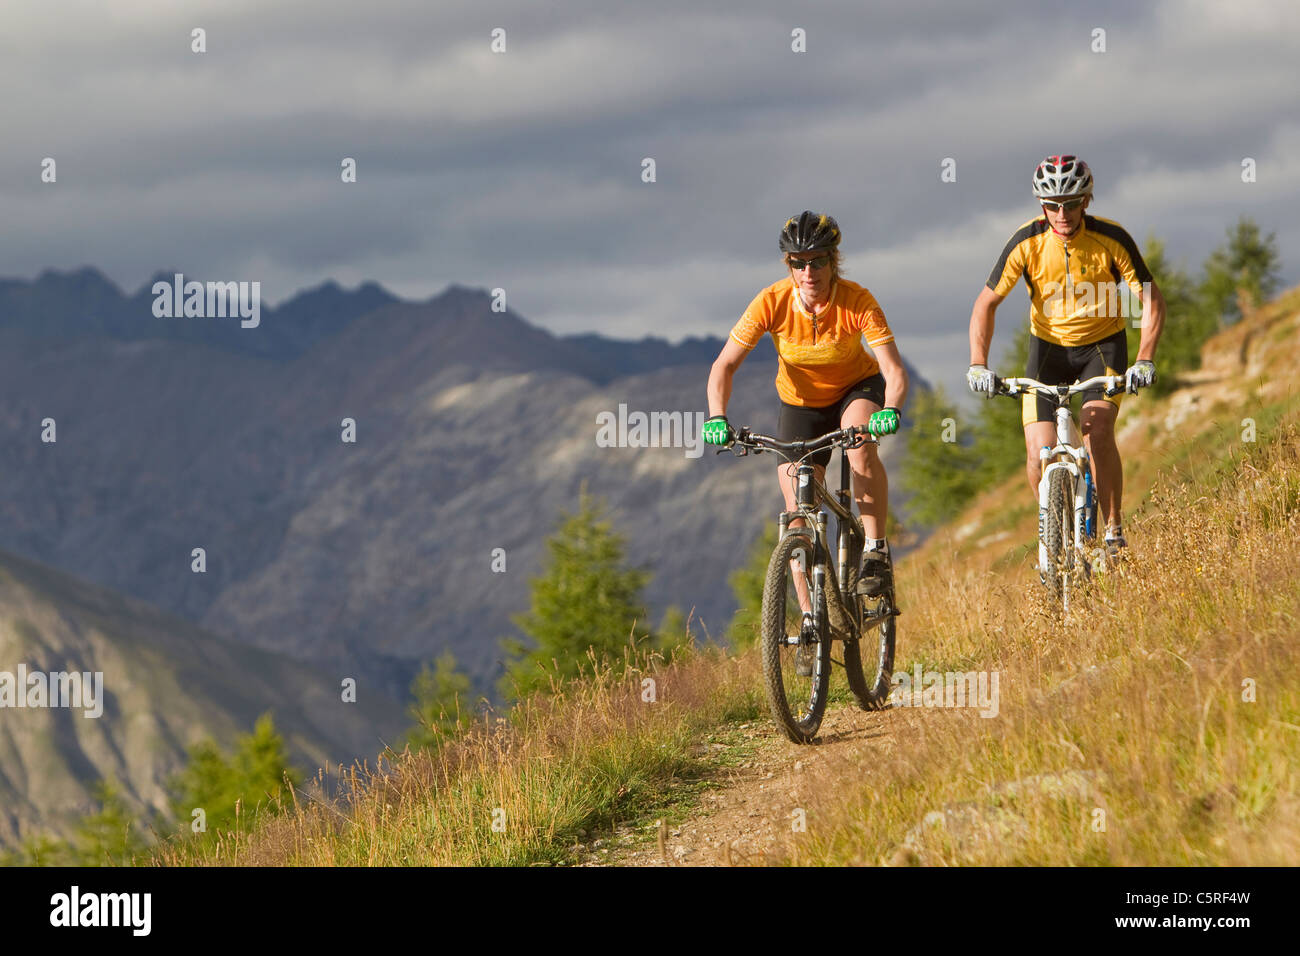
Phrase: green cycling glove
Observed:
(884, 422)
(717, 431)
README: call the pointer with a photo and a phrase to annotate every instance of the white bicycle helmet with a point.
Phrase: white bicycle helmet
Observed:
(1062, 176)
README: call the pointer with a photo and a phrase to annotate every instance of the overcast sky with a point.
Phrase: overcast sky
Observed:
(522, 169)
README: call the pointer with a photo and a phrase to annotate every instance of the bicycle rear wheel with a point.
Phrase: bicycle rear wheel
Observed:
(871, 673)
(796, 701)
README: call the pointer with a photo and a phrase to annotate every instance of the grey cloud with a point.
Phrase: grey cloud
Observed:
(522, 170)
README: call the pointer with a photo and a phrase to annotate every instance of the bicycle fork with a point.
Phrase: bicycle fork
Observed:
(809, 587)
(1078, 505)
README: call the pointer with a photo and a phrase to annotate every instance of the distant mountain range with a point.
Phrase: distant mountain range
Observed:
(84, 303)
(474, 431)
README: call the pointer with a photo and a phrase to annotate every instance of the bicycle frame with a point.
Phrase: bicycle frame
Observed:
(1069, 455)
(809, 494)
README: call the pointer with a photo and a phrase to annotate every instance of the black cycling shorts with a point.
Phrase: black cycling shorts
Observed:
(1066, 364)
(799, 422)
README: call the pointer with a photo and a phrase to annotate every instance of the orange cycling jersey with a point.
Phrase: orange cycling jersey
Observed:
(819, 356)
(1073, 285)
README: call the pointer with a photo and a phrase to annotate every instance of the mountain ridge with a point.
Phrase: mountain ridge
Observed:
(468, 423)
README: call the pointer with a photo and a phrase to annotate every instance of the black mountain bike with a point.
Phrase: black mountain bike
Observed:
(809, 600)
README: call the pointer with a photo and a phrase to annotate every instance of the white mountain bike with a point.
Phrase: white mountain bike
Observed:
(1067, 500)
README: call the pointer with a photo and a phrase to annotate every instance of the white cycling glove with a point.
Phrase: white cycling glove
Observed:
(980, 380)
(1141, 375)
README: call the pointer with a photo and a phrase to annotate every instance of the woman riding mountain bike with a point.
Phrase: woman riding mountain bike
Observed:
(825, 378)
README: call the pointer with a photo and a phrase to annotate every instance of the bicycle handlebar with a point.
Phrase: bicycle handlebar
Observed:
(850, 437)
(1013, 387)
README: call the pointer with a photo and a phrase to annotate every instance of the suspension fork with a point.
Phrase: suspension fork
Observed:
(811, 584)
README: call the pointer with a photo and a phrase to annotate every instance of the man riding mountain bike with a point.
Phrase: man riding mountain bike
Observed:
(1073, 265)
(825, 378)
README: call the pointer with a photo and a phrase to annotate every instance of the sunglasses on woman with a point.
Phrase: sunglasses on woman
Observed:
(800, 264)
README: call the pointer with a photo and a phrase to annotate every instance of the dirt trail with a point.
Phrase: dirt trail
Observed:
(759, 786)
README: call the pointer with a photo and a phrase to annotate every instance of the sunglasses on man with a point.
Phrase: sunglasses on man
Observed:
(1070, 204)
(800, 264)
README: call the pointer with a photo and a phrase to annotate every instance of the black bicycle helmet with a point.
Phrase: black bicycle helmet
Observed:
(808, 232)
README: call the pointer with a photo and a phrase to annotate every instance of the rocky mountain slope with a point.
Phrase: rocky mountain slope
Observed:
(165, 685)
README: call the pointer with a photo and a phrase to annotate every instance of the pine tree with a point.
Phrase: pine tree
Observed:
(999, 446)
(442, 703)
(252, 779)
(107, 837)
(940, 472)
(584, 602)
(1244, 271)
(1188, 321)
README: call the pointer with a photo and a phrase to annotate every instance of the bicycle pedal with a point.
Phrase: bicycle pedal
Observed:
(870, 619)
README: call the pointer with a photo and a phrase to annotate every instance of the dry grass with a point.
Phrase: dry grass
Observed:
(594, 753)
(1124, 736)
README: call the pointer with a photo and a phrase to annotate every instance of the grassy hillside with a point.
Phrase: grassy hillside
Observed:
(1160, 726)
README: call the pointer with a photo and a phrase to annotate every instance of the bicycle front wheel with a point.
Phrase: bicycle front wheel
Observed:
(796, 664)
(1058, 533)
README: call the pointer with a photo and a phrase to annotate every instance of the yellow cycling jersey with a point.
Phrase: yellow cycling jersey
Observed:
(1074, 285)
